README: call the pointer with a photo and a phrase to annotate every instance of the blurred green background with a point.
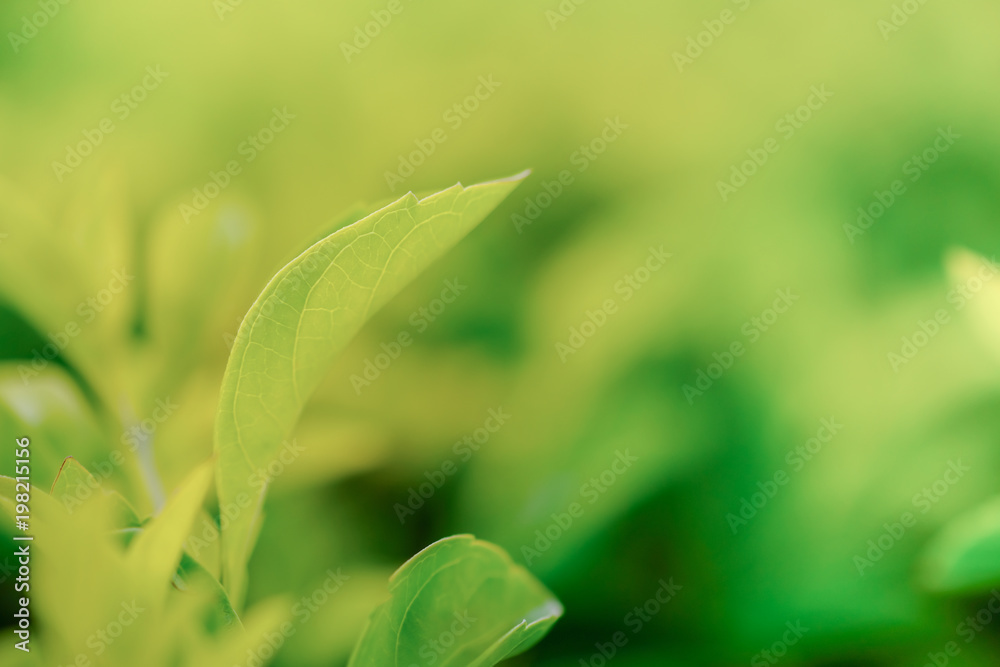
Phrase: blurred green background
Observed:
(538, 269)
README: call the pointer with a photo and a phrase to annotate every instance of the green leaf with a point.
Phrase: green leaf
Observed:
(462, 600)
(217, 616)
(47, 406)
(75, 486)
(965, 556)
(156, 552)
(39, 273)
(304, 317)
(53, 284)
(72, 600)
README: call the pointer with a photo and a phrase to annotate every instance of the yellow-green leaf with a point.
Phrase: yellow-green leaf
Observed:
(75, 487)
(462, 601)
(156, 551)
(303, 319)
